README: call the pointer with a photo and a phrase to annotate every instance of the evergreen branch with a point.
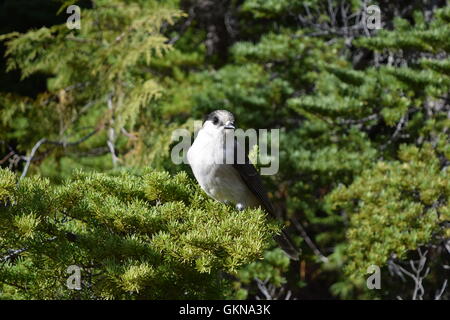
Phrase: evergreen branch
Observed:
(184, 27)
(360, 121)
(13, 285)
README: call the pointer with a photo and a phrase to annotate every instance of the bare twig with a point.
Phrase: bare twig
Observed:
(400, 125)
(441, 292)
(60, 143)
(308, 241)
(111, 133)
(30, 158)
(270, 291)
(12, 253)
(10, 154)
(263, 288)
(346, 25)
(418, 273)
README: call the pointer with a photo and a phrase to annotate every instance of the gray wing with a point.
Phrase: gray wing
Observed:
(251, 178)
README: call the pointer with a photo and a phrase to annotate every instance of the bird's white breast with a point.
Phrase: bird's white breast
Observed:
(219, 180)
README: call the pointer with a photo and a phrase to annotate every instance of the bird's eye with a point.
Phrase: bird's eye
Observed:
(215, 120)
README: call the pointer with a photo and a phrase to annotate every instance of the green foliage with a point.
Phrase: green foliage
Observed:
(98, 85)
(364, 147)
(394, 207)
(129, 238)
(343, 103)
(270, 270)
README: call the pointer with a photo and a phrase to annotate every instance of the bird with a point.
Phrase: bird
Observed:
(237, 183)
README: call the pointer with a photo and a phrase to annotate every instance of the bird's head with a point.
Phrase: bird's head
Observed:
(219, 122)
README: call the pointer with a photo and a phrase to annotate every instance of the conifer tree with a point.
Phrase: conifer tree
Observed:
(149, 236)
(364, 150)
(99, 83)
(349, 99)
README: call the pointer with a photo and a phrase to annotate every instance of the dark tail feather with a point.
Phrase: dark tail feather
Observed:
(285, 243)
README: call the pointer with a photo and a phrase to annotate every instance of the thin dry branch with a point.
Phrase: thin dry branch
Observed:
(42, 141)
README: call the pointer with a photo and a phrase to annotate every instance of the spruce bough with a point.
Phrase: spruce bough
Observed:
(149, 236)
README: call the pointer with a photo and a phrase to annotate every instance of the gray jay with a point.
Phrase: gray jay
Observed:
(230, 181)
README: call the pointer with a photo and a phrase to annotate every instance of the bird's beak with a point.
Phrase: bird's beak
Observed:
(229, 125)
